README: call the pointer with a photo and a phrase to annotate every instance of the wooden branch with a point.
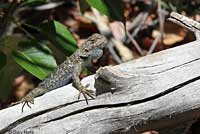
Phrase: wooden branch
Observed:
(162, 89)
(154, 92)
(186, 22)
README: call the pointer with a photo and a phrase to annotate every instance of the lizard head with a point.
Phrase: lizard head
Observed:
(93, 47)
(95, 41)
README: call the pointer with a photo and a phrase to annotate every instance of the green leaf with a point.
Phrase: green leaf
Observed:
(58, 34)
(3, 59)
(111, 8)
(84, 6)
(36, 59)
(34, 2)
(85, 71)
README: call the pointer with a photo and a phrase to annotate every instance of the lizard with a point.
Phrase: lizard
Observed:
(70, 69)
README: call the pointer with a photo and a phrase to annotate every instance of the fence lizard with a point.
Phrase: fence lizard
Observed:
(69, 70)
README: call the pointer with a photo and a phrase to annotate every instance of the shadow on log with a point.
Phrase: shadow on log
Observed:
(154, 92)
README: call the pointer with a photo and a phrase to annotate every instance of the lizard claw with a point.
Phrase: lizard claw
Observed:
(26, 100)
(86, 92)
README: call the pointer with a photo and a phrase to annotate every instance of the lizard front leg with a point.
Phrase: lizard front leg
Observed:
(77, 84)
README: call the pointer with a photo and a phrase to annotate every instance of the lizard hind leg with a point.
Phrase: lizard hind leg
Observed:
(26, 100)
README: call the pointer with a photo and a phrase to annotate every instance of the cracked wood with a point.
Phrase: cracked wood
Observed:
(153, 92)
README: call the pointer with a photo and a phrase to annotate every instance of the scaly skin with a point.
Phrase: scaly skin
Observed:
(70, 69)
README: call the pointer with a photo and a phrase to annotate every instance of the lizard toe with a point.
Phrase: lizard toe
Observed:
(26, 100)
(86, 93)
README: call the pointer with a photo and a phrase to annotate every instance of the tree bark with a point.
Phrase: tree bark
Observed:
(154, 92)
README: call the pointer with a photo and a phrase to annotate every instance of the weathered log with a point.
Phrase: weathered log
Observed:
(154, 92)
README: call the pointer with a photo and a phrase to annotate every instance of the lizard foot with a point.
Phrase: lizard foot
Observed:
(26, 100)
(86, 92)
